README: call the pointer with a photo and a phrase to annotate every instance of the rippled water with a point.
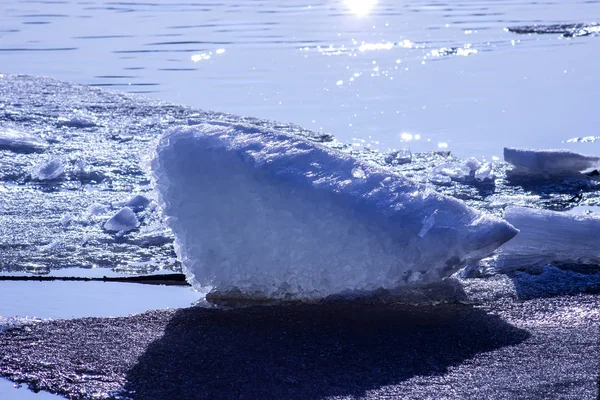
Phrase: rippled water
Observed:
(444, 73)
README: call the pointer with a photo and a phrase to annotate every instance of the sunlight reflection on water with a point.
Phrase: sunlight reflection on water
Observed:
(360, 7)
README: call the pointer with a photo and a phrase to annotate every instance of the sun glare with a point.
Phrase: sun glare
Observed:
(360, 7)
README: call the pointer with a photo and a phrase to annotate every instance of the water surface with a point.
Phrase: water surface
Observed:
(385, 74)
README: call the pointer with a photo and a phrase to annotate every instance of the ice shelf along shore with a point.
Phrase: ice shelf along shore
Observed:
(549, 162)
(549, 237)
(262, 214)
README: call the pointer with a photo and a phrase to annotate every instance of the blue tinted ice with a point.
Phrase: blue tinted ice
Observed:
(259, 213)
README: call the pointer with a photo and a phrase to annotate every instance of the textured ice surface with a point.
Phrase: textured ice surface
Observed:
(261, 213)
(123, 221)
(62, 222)
(547, 237)
(18, 141)
(549, 162)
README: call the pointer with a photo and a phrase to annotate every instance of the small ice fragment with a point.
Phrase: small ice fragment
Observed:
(440, 179)
(66, 220)
(547, 237)
(549, 162)
(78, 120)
(123, 221)
(473, 164)
(96, 209)
(20, 142)
(485, 173)
(53, 246)
(138, 202)
(358, 173)
(457, 172)
(50, 169)
(52, 138)
(121, 138)
(402, 156)
(38, 269)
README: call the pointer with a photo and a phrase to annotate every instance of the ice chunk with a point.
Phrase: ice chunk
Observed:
(96, 209)
(485, 173)
(50, 169)
(20, 142)
(78, 119)
(457, 172)
(440, 179)
(123, 221)
(549, 162)
(66, 220)
(259, 213)
(399, 157)
(138, 202)
(463, 171)
(549, 237)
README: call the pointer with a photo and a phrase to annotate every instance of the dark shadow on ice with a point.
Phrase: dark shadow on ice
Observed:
(306, 351)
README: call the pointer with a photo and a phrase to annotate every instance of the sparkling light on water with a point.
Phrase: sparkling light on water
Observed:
(360, 7)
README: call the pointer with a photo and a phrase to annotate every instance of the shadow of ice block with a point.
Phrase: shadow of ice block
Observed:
(262, 214)
(549, 237)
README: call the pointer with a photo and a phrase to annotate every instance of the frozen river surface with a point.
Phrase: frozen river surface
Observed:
(385, 74)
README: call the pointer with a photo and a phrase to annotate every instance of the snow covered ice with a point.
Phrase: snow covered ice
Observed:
(263, 214)
(547, 237)
(549, 162)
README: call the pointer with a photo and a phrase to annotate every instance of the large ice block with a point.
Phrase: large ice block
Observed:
(549, 162)
(549, 237)
(263, 214)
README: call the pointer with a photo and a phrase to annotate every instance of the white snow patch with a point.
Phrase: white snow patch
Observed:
(548, 237)
(20, 142)
(548, 162)
(263, 214)
(123, 221)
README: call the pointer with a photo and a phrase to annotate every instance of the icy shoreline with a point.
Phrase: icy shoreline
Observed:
(103, 153)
